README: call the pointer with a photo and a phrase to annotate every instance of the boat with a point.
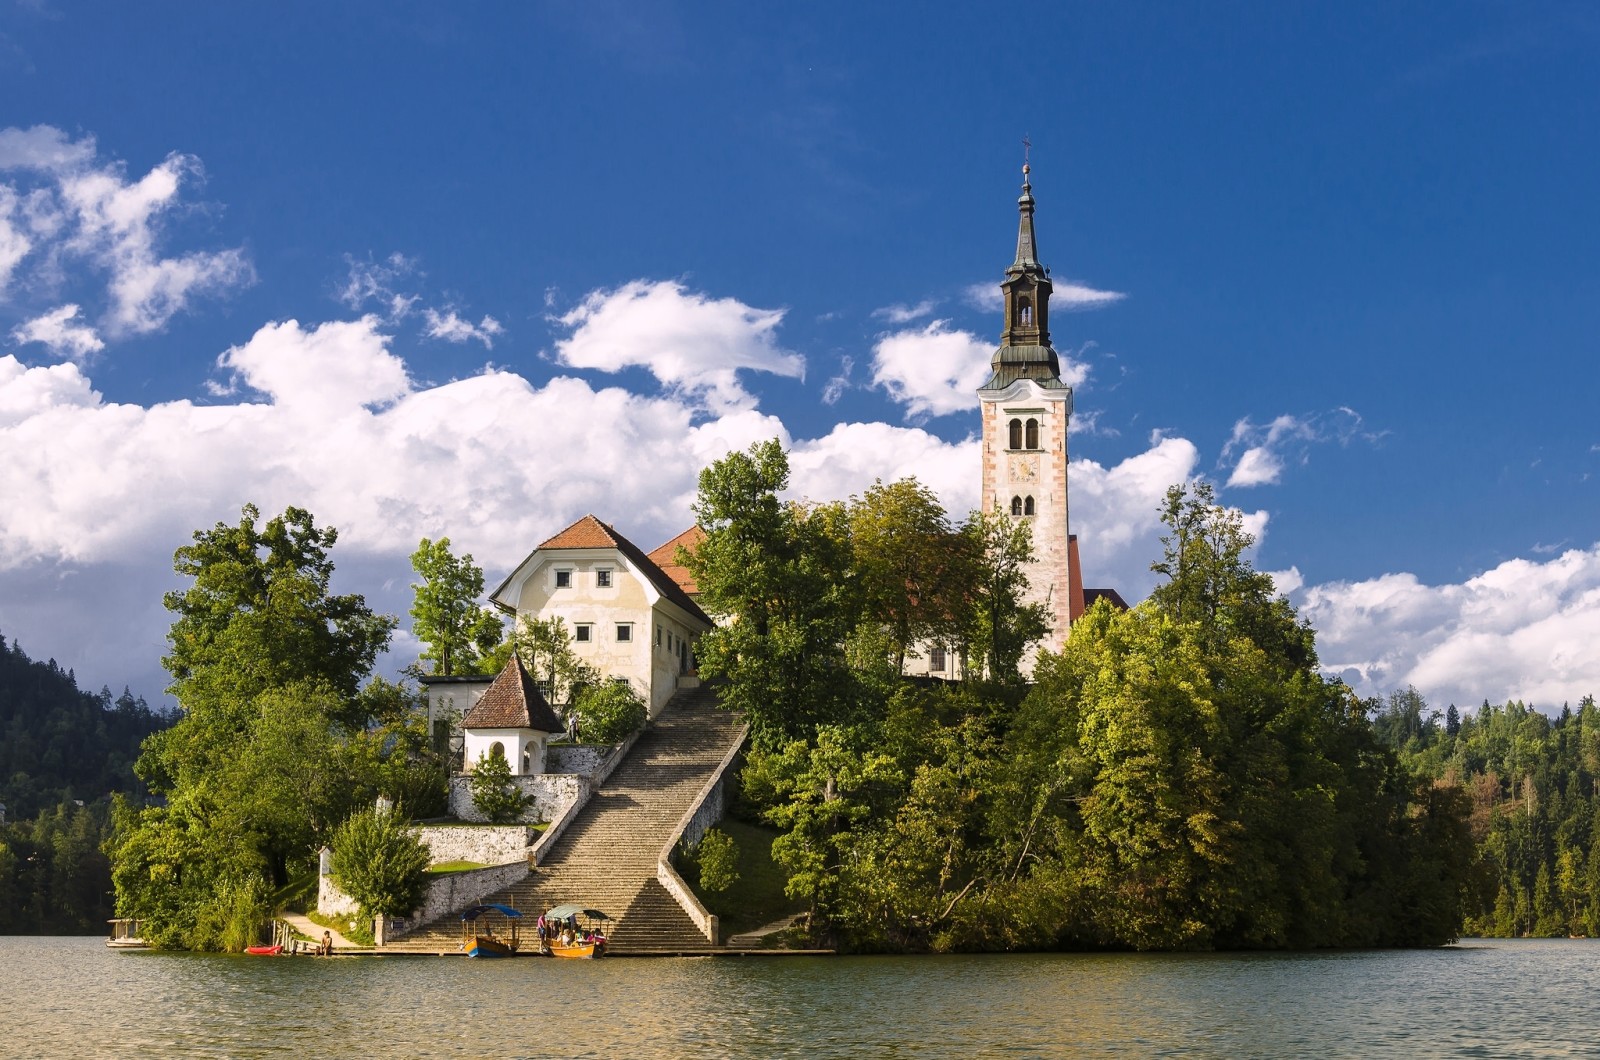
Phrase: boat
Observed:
(573, 931)
(125, 935)
(264, 951)
(478, 935)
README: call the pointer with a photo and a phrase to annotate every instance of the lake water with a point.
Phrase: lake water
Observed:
(71, 997)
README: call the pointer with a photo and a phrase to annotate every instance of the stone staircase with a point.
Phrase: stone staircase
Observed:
(607, 857)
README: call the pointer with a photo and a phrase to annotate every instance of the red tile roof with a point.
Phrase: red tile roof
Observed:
(590, 532)
(512, 701)
(666, 557)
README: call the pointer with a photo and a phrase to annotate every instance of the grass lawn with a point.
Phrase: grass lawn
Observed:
(454, 866)
(757, 897)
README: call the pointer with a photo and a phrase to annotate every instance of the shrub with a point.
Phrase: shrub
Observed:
(718, 856)
(379, 861)
(492, 791)
(609, 712)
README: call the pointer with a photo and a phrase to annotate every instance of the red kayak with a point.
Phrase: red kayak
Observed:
(264, 951)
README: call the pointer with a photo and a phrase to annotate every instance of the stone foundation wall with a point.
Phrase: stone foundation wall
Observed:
(456, 890)
(580, 758)
(486, 844)
(550, 795)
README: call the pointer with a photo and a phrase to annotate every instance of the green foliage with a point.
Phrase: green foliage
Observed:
(445, 613)
(59, 742)
(718, 858)
(609, 712)
(278, 743)
(1179, 776)
(492, 791)
(1000, 627)
(782, 573)
(913, 567)
(380, 862)
(54, 879)
(545, 648)
(1532, 787)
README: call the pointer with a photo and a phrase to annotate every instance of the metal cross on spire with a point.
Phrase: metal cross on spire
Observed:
(1027, 146)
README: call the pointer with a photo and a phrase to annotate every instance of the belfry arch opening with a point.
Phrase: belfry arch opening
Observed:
(1032, 434)
(1016, 434)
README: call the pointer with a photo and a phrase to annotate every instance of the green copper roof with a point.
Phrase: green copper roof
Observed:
(1038, 363)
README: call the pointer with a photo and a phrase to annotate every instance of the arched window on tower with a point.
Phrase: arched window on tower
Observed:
(1027, 506)
(1033, 434)
(1016, 505)
(1025, 312)
(1016, 434)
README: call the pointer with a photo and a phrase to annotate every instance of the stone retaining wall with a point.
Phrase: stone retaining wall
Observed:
(456, 890)
(580, 758)
(486, 844)
(550, 794)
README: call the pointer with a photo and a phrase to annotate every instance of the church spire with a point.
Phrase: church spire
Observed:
(1027, 248)
(1025, 351)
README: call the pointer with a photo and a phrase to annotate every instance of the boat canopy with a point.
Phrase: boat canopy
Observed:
(478, 910)
(561, 912)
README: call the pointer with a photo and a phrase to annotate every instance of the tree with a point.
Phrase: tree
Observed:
(910, 562)
(492, 791)
(718, 859)
(781, 574)
(446, 615)
(276, 744)
(1000, 626)
(379, 861)
(545, 648)
(609, 712)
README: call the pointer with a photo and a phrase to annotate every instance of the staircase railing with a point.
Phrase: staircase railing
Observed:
(709, 800)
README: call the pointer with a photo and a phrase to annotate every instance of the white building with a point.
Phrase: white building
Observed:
(628, 618)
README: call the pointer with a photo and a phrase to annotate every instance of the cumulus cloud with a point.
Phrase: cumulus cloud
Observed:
(1522, 630)
(694, 345)
(450, 327)
(1065, 296)
(932, 370)
(69, 205)
(1116, 512)
(60, 330)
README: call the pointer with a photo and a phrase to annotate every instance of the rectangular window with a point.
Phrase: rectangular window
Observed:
(936, 661)
(602, 578)
(658, 636)
(583, 632)
(563, 579)
(624, 632)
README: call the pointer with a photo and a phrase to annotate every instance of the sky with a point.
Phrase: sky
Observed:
(477, 270)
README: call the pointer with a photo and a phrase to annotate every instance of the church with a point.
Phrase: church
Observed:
(633, 615)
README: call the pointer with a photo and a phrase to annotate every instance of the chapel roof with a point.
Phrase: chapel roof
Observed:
(1091, 595)
(590, 532)
(512, 701)
(666, 557)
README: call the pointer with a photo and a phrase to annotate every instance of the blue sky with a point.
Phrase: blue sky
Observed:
(477, 271)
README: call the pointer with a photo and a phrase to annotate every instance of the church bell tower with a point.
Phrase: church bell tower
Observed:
(1025, 408)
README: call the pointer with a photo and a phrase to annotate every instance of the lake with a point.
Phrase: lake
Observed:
(73, 997)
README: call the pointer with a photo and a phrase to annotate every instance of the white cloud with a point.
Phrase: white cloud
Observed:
(336, 368)
(1116, 512)
(59, 330)
(839, 383)
(1258, 466)
(933, 370)
(86, 210)
(903, 314)
(695, 345)
(450, 327)
(1522, 630)
(847, 460)
(1265, 449)
(378, 282)
(1065, 296)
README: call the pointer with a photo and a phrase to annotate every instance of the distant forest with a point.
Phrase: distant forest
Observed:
(1534, 785)
(63, 753)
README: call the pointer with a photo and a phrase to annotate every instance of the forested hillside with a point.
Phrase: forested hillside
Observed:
(1534, 785)
(63, 752)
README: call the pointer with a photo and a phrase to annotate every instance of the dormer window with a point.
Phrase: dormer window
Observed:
(1015, 434)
